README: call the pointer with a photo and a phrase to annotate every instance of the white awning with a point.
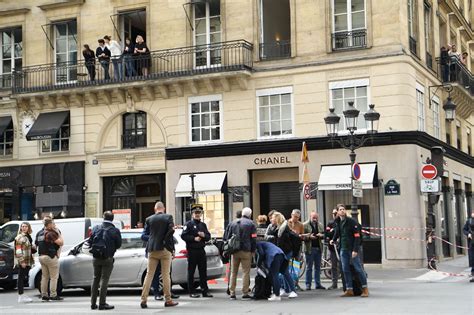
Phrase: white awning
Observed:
(204, 184)
(338, 177)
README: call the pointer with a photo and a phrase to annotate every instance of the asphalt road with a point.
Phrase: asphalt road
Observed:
(391, 292)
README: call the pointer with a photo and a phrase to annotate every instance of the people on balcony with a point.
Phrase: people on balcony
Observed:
(464, 58)
(128, 59)
(143, 56)
(444, 62)
(116, 56)
(455, 58)
(103, 54)
(89, 60)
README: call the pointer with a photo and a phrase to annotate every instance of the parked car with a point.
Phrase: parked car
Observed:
(8, 276)
(76, 271)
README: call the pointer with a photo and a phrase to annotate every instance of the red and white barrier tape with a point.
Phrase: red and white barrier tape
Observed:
(449, 274)
(392, 228)
(445, 241)
(393, 237)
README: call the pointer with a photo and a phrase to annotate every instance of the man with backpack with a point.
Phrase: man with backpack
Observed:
(103, 242)
(469, 232)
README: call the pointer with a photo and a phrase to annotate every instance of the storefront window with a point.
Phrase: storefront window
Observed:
(213, 213)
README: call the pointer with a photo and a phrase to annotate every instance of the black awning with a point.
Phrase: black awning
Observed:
(4, 123)
(47, 126)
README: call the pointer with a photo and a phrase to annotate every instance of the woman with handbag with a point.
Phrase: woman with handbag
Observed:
(24, 250)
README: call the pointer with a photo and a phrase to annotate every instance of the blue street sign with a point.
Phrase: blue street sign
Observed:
(356, 171)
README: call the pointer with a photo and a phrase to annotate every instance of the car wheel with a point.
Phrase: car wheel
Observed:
(9, 286)
(185, 285)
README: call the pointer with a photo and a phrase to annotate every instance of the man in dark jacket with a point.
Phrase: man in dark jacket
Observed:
(195, 234)
(330, 230)
(108, 235)
(160, 246)
(247, 230)
(103, 54)
(469, 232)
(348, 231)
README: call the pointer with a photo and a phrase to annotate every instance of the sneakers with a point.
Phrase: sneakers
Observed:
(56, 298)
(333, 287)
(45, 298)
(105, 307)
(24, 299)
(246, 297)
(274, 298)
(292, 295)
(320, 287)
(233, 297)
(283, 293)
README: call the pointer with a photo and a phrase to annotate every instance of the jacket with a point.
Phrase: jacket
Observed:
(248, 234)
(160, 228)
(99, 51)
(284, 238)
(469, 228)
(329, 233)
(271, 234)
(266, 253)
(89, 56)
(190, 231)
(112, 237)
(350, 229)
(308, 230)
(23, 252)
(45, 242)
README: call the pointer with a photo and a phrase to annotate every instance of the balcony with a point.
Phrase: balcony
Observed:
(275, 50)
(413, 45)
(176, 69)
(5, 81)
(132, 140)
(349, 40)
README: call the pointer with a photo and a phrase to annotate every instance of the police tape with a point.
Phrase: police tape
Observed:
(393, 228)
(393, 236)
(449, 274)
(452, 244)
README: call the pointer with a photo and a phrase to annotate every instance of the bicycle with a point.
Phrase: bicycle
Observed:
(326, 265)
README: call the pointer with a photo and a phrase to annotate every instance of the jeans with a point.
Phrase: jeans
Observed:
(197, 257)
(102, 270)
(246, 259)
(279, 264)
(105, 65)
(313, 259)
(49, 274)
(288, 282)
(118, 68)
(334, 269)
(91, 69)
(154, 258)
(471, 256)
(346, 258)
(22, 278)
(129, 65)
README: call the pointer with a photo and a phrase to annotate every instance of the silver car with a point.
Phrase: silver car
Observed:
(76, 271)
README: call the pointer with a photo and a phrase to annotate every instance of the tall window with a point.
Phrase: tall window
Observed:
(207, 31)
(428, 23)
(420, 103)
(458, 135)
(206, 118)
(6, 141)
(413, 26)
(275, 112)
(65, 51)
(469, 141)
(134, 130)
(343, 92)
(349, 24)
(61, 142)
(11, 46)
(275, 29)
(436, 118)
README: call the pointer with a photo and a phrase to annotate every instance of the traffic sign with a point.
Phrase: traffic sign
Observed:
(357, 188)
(429, 171)
(429, 185)
(356, 171)
(307, 192)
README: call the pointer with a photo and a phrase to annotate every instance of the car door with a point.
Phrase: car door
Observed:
(75, 268)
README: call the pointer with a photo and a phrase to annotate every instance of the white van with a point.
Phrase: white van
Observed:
(73, 230)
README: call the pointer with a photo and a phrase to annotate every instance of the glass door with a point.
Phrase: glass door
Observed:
(207, 33)
(65, 51)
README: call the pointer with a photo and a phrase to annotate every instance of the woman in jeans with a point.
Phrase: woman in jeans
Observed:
(89, 58)
(128, 59)
(24, 249)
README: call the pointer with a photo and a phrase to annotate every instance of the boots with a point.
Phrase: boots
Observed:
(365, 292)
(348, 293)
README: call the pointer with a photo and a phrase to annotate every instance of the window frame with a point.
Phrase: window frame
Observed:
(13, 57)
(421, 116)
(135, 129)
(59, 138)
(270, 92)
(436, 117)
(4, 142)
(348, 13)
(202, 99)
(207, 18)
(68, 62)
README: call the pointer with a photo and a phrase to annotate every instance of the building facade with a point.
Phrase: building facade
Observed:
(228, 91)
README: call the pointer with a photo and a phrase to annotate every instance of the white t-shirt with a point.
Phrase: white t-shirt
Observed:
(115, 49)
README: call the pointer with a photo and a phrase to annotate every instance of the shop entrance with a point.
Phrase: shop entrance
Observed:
(5, 207)
(283, 197)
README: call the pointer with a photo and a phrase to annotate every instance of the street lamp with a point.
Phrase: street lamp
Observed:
(352, 141)
(450, 109)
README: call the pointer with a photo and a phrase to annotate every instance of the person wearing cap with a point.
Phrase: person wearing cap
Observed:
(195, 234)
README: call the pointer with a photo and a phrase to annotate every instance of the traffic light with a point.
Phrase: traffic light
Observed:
(437, 159)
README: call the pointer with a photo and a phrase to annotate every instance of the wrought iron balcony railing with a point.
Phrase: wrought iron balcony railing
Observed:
(5, 81)
(349, 40)
(132, 141)
(413, 45)
(452, 70)
(275, 50)
(168, 63)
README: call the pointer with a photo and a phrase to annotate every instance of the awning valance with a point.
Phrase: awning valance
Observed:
(47, 125)
(4, 123)
(338, 177)
(204, 184)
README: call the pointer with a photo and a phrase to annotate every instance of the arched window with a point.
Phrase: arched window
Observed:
(134, 130)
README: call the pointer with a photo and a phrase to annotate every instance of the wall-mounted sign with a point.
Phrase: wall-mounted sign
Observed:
(271, 160)
(124, 215)
(392, 188)
(430, 185)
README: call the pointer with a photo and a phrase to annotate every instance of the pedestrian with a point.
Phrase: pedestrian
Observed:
(247, 231)
(160, 247)
(329, 234)
(455, 59)
(261, 227)
(271, 234)
(48, 242)
(24, 250)
(469, 232)
(348, 231)
(294, 223)
(89, 60)
(143, 56)
(444, 62)
(195, 234)
(314, 234)
(103, 243)
(103, 55)
(128, 59)
(273, 258)
(285, 241)
(115, 56)
(464, 58)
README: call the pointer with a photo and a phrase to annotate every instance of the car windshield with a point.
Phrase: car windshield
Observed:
(131, 240)
(8, 233)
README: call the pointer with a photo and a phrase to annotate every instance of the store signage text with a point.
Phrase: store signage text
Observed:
(4, 174)
(271, 160)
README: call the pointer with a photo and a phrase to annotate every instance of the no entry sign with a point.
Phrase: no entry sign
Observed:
(429, 171)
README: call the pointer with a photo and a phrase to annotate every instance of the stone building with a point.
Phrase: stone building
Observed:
(228, 91)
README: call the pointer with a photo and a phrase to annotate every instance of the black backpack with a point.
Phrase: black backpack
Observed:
(262, 289)
(99, 244)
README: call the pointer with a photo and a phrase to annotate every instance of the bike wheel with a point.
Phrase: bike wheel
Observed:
(327, 269)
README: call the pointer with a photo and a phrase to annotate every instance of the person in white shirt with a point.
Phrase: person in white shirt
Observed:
(116, 56)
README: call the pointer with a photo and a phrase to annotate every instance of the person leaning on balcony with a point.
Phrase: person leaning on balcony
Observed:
(142, 54)
(89, 58)
(464, 58)
(116, 56)
(454, 57)
(444, 62)
(128, 58)
(103, 54)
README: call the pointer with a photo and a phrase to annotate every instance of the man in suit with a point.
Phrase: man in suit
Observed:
(160, 246)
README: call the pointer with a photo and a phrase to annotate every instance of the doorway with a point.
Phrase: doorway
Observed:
(283, 197)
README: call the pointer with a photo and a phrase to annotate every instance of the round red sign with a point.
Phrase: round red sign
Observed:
(429, 171)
